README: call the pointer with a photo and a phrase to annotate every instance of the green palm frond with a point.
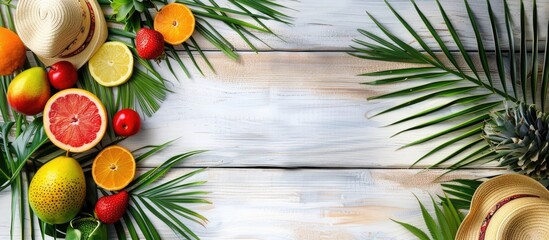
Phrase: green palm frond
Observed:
(441, 226)
(255, 13)
(448, 215)
(146, 89)
(164, 201)
(460, 192)
(454, 78)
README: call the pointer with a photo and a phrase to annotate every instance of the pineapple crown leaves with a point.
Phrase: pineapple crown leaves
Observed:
(476, 90)
(520, 135)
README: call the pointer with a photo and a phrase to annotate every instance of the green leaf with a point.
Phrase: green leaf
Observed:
(480, 45)
(152, 175)
(462, 100)
(401, 71)
(443, 224)
(545, 74)
(414, 33)
(153, 149)
(523, 51)
(416, 89)
(534, 71)
(407, 78)
(164, 219)
(446, 92)
(457, 40)
(414, 230)
(481, 155)
(407, 48)
(484, 107)
(32, 138)
(468, 123)
(455, 153)
(141, 223)
(430, 222)
(435, 35)
(499, 55)
(473, 132)
(511, 41)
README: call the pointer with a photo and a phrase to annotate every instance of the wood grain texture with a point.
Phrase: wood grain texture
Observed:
(306, 204)
(298, 104)
(329, 25)
(288, 109)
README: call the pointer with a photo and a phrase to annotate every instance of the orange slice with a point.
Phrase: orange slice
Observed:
(75, 120)
(175, 22)
(113, 168)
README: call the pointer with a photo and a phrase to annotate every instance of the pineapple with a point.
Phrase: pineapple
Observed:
(519, 136)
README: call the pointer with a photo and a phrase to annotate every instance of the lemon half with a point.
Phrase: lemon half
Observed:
(112, 64)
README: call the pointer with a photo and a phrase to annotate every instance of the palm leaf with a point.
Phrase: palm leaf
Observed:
(414, 230)
(436, 68)
(163, 201)
(442, 225)
(459, 192)
(447, 218)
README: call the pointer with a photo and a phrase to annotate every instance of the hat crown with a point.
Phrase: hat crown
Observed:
(49, 27)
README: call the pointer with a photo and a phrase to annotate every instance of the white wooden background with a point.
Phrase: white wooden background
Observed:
(293, 152)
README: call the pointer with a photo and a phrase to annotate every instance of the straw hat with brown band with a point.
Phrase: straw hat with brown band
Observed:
(510, 206)
(55, 30)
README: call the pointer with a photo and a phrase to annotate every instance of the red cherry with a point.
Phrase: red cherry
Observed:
(126, 122)
(62, 75)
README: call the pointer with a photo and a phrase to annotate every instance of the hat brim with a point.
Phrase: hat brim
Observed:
(489, 193)
(99, 37)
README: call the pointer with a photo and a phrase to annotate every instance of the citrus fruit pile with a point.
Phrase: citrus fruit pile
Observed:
(76, 120)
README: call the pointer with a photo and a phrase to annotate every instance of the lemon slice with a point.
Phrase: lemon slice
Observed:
(112, 64)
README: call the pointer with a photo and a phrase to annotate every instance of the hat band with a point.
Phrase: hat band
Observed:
(495, 208)
(88, 38)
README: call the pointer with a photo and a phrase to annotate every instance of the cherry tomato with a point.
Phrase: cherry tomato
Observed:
(126, 122)
(62, 75)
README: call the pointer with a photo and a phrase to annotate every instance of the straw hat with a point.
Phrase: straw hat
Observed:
(510, 206)
(56, 30)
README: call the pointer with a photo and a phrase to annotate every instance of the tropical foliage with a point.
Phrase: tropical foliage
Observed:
(474, 90)
(24, 146)
(500, 114)
(448, 210)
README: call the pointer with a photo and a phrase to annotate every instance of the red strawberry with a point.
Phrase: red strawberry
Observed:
(149, 43)
(109, 209)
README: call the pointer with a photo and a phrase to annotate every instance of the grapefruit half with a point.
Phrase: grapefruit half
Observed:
(75, 120)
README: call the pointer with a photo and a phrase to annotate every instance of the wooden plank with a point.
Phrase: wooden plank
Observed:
(305, 204)
(329, 25)
(287, 110)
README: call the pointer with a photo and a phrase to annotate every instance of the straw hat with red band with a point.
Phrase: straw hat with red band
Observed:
(56, 30)
(510, 206)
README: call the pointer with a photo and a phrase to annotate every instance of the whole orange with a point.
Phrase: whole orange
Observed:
(12, 52)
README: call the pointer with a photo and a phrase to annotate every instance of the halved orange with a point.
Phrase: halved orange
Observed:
(175, 22)
(113, 168)
(75, 120)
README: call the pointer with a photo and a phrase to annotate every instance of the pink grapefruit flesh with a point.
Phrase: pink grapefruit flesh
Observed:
(75, 120)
